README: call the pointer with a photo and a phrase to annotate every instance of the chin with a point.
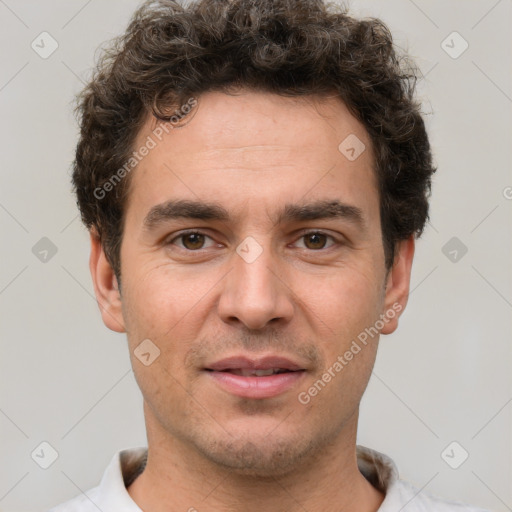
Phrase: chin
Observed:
(257, 459)
(260, 451)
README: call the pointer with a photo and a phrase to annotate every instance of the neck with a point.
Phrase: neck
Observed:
(178, 478)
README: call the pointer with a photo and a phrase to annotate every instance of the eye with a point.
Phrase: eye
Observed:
(191, 240)
(316, 240)
(195, 240)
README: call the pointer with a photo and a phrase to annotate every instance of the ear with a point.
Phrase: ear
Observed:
(105, 286)
(397, 285)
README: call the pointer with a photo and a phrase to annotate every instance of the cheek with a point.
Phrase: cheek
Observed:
(158, 296)
(160, 310)
(345, 309)
(346, 301)
(349, 346)
(169, 308)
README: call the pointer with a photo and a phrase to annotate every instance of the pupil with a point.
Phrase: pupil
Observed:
(195, 239)
(312, 237)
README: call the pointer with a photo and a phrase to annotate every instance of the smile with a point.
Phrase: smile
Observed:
(255, 378)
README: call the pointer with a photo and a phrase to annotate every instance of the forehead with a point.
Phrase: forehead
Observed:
(261, 121)
(256, 145)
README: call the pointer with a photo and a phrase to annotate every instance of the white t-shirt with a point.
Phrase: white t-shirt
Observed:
(111, 494)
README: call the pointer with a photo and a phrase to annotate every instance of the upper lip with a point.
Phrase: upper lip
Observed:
(247, 363)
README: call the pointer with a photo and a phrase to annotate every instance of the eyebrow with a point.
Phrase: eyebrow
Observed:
(316, 210)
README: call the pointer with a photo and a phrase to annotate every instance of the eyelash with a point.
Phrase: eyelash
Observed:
(302, 235)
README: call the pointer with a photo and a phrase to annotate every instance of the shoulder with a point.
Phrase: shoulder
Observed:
(404, 493)
(82, 503)
(111, 494)
(380, 470)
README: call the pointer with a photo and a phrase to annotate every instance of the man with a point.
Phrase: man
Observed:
(253, 175)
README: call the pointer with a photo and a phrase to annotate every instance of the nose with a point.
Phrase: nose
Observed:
(255, 293)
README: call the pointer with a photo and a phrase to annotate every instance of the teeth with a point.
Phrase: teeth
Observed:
(256, 373)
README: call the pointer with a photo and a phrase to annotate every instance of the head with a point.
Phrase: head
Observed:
(287, 136)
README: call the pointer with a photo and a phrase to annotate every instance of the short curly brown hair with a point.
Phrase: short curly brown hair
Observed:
(172, 51)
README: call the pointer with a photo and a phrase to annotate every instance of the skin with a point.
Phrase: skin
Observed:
(208, 449)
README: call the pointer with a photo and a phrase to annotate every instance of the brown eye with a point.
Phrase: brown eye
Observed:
(315, 240)
(192, 241)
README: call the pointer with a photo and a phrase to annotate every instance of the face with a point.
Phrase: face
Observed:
(252, 259)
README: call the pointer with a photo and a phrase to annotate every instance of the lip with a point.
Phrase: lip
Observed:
(246, 363)
(253, 386)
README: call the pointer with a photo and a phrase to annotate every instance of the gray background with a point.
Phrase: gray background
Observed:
(444, 376)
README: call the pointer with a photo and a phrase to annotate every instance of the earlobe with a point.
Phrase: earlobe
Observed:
(105, 286)
(397, 285)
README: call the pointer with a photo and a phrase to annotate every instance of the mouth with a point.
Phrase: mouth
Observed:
(255, 378)
(248, 372)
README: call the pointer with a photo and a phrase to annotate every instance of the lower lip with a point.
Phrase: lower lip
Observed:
(256, 387)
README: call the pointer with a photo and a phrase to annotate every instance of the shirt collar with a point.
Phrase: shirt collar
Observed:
(127, 464)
